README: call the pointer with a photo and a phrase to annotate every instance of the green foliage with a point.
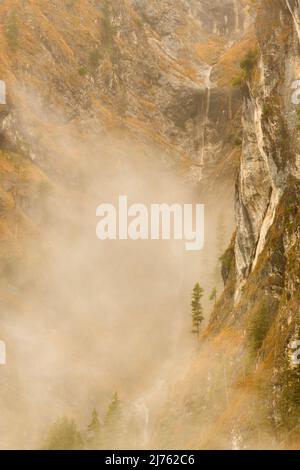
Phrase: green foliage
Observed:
(95, 57)
(12, 31)
(226, 261)
(82, 71)
(94, 426)
(197, 310)
(114, 411)
(138, 21)
(249, 62)
(94, 61)
(213, 295)
(113, 423)
(238, 141)
(63, 435)
(247, 65)
(239, 80)
(94, 431)
(259, 327)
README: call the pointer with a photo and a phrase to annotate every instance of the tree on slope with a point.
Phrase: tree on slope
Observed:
(197, 310)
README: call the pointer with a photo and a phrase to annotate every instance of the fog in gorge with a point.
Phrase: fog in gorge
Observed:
(96, 317)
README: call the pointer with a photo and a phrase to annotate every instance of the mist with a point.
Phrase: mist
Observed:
(90, 317)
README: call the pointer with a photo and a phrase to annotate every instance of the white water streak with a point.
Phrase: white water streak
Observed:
(207, 107)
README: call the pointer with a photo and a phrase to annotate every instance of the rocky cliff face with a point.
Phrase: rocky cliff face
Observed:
(144, 66)
(153, 72)
(267, 204)
(248, 358)
(90, 85)
(269, 159)
(270, 144)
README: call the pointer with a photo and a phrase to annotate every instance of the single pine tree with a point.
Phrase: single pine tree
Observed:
(197, 310)
(113, 409)
(113, 425)
(94, 426)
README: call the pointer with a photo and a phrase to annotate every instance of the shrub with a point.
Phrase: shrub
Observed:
(247, 66)
(249, 62)
(239, 80)
(259, 327)
(82, 71)
(226, 261)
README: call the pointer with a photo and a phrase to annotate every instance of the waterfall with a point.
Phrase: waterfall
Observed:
(295, 15)
(201, 121)
(207, 84)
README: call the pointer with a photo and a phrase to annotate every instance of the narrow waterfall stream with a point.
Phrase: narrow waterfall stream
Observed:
(208, 93)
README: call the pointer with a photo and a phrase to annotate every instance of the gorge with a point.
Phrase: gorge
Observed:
(161, 101)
